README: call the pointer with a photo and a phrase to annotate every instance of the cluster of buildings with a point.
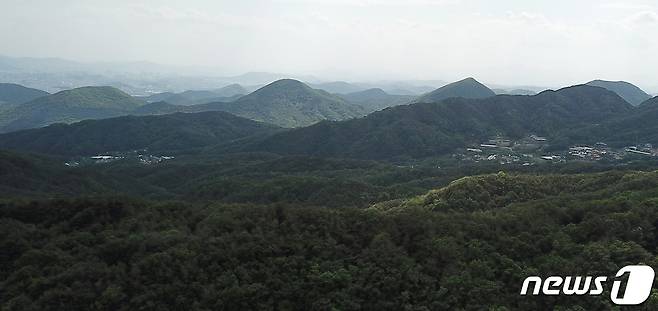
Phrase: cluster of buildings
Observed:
(530, 150)
(151, 159)
(141, 156)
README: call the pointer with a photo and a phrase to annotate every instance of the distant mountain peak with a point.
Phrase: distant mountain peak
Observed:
(629, 92)
(466, 88)
(291, 103)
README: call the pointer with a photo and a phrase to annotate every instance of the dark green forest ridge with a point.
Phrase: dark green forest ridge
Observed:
(172, 132)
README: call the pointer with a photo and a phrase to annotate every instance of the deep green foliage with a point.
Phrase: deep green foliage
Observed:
(126, 255)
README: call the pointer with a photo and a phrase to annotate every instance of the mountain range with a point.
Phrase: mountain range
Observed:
(287, 103)
(332, 125)
(406, 131)
(428, 129)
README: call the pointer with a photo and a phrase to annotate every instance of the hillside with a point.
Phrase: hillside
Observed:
(69, 106)
(637, 127)
(376, 99)
(194, 97)
(231, 90)
(485, 192)
(289, 103)
(629, 92)
(157, 133)
(467, 88)
(428, 129)
(14, 94)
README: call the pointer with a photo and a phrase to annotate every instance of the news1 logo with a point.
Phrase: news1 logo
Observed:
(637, 289)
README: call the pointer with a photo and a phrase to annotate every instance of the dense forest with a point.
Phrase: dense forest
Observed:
(444, 250)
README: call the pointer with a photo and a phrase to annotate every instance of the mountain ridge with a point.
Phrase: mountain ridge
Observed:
(629, 92)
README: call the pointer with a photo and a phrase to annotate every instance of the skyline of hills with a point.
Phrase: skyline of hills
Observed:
(579, 113)
(96, 102)
(426, 129)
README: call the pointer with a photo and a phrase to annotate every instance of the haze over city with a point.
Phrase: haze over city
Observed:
(511, 42)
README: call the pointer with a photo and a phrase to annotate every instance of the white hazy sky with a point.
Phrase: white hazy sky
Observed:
(555, 42)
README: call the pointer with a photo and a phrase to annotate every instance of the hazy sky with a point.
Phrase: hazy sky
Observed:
(555, 42)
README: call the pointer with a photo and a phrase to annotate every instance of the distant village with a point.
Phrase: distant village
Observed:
(531, 150)
(141, 156)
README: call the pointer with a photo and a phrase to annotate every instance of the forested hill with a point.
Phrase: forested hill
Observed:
(637, 127)
(14, 94)
(179, 131)
(467, 88)
(93, 102)
(629, 92)
(290, 103)
(428, 129)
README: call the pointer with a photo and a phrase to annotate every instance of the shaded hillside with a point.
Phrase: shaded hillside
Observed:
(629, 92)
(376, 99)
(428, 129)
(159, 133)
(637, 127)
(289, 103)
(31, 176)
(69, 106)
(14, 94)
(467, 88)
